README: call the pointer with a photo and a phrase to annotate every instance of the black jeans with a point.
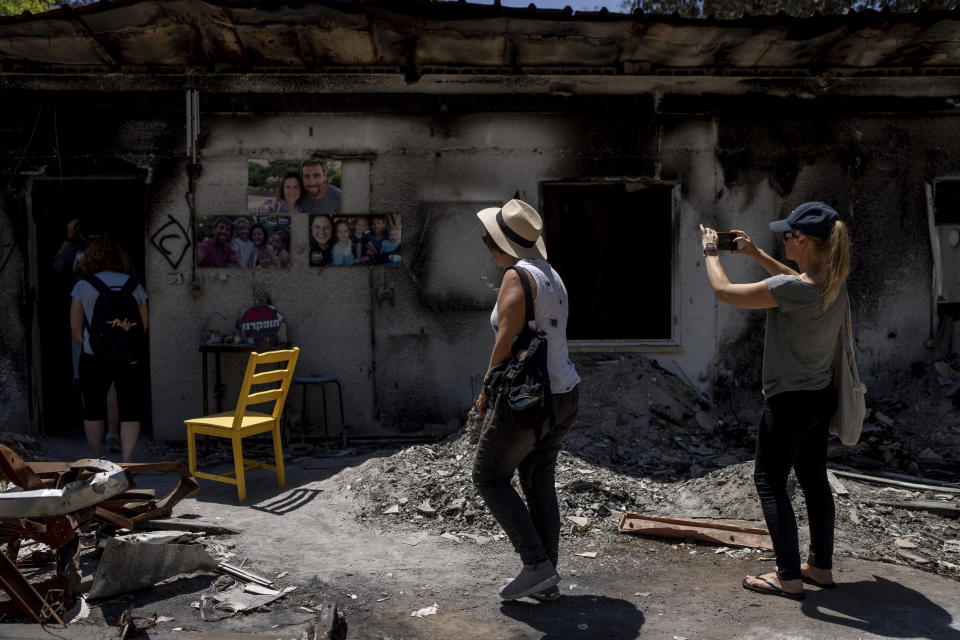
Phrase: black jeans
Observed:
(534, 527)
(793, 434)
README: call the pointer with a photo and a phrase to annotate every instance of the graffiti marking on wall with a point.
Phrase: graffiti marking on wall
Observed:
(172, 241)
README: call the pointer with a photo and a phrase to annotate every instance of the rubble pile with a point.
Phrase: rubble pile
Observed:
(915, 425)
(27, 447)
(646, 442)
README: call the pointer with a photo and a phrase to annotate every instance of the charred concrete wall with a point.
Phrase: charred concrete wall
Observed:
(410, 343)
(14, 399)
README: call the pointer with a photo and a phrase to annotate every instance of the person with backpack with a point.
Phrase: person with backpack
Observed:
(108, 317)
(508, 444)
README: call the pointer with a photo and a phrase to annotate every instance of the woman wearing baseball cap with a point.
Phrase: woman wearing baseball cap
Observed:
(805, 311)
(513, 235)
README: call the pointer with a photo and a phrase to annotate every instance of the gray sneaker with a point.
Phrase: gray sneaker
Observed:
(533, 578)
(553, 593)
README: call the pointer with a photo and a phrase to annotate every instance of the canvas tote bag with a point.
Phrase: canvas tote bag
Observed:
(851, 403)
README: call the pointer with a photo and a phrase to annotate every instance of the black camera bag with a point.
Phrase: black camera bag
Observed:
(521, 386)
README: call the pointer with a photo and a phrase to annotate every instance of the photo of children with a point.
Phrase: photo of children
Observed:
(355, 240)
(244, 242)
(307, 185)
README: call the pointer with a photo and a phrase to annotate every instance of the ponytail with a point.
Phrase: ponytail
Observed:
(836, 262)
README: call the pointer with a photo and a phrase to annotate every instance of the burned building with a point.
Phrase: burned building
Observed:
(626, 131)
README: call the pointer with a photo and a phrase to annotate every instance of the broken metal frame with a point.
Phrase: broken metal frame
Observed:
(53, 500)
(71, 493)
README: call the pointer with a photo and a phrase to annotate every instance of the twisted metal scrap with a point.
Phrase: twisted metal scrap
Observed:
(53, 500)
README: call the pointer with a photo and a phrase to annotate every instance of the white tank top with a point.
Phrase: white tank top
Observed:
(551, 310)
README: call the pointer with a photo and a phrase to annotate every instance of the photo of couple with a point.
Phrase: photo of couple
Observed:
(244, 242)
(356, 240)
(311, 185)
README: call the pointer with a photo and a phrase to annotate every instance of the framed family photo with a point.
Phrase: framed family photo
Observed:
(256, 241)
(308, 185)
(360, 240)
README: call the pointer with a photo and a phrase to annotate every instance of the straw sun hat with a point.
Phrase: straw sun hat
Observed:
(516, 228)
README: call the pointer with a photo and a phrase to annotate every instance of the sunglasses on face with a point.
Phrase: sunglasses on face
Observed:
(792, 234)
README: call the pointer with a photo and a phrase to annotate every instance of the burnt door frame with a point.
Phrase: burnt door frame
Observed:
(37, 261)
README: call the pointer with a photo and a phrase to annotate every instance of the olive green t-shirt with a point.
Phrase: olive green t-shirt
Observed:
(801, 338)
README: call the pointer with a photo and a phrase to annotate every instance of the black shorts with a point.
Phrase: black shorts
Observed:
(95, 380)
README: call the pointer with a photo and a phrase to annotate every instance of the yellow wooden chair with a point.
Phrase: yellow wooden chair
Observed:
(240, 423)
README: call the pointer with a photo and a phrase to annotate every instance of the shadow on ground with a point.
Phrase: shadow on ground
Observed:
(881, 607)
(608, 618)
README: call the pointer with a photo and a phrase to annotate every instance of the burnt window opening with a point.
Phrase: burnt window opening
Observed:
(944, 220)
(612, 244)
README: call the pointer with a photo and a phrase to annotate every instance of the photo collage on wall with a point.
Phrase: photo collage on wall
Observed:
(277, 192)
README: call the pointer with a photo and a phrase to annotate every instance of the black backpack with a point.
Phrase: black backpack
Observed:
(116, 330)
(521, 386)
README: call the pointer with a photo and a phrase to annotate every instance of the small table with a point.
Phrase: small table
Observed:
(216, 349)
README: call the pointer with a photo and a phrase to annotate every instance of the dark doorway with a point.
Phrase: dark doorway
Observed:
(613, 246)
(119, 204)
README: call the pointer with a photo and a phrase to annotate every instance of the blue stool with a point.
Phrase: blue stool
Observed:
(323, 381)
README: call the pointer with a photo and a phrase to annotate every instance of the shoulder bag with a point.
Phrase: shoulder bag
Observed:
(520, 387)
(851, 403)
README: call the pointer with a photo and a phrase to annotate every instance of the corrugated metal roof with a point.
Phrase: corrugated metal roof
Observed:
(272, 37)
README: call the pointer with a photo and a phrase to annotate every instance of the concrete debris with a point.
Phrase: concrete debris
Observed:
(587, 554)
(883, 419)
(905, 544)
(476, 538)
(639, 447)
(243, 574)
(80, 611)
(942, 487)
(126, 567)
(426, 611)
(27, 447)
(162, 537)
(259, 590)
(238, 599)
(838, 487)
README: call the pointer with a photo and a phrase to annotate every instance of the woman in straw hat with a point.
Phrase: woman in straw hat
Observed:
(514, 237)
(805, 311)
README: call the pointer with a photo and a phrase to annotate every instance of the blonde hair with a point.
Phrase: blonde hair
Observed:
(836, 261)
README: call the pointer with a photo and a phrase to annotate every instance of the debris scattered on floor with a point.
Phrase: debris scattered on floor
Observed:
(127, 566)
(703, 530)
(239, 598)
(426, 611)
(645, 442)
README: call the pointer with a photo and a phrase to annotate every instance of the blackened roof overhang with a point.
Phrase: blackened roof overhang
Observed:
(283, 46)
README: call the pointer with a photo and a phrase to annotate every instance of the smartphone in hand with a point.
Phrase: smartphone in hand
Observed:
(726, 241)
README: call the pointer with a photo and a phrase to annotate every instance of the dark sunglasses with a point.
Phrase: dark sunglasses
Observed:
(792, 234)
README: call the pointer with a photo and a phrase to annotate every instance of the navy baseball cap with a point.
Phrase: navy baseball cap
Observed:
(812, 218)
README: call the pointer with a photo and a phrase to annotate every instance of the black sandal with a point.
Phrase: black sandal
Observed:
(774, 590)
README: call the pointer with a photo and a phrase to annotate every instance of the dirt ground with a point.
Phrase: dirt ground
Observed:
(385, 533)
(378, 575)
